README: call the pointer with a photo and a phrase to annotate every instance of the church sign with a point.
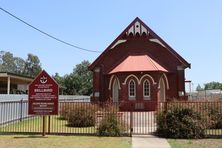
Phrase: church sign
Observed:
(43, 95)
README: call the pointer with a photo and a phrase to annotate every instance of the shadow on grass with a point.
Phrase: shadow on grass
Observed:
(32, 136)
(61, 118)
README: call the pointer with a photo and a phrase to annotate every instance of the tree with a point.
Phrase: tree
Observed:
(199, 88)
(71, 85)
(7, 62)
(84, 76)
(32, 66)
(1, 55)
(19, 65)
(79, 82)
(213, 85)
(60, 80)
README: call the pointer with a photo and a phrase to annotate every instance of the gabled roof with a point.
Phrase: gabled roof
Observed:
(138, 63)
(137, 27)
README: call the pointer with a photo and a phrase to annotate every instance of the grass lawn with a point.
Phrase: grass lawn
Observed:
(200, 143)
(26, 141)
(34, 124)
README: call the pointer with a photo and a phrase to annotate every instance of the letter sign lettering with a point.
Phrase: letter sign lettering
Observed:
(43, 95)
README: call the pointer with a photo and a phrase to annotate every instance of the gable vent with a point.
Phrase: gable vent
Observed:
(137, 29)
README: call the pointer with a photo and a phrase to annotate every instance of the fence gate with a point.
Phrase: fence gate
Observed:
(143, 123)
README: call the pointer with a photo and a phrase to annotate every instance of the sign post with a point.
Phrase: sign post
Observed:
(43, 125)
(43, 97)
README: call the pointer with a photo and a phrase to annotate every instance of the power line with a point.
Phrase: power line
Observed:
(51, 36)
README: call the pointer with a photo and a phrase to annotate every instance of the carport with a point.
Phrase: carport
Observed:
(10, 82)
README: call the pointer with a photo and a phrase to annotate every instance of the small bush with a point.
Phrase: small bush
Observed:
(180, 122)
(81, 118)
(79, 115)
(218, 124)
(64, 111)
(215, 115)
(111, 125)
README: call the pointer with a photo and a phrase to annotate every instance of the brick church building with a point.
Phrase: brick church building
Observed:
(137, 70)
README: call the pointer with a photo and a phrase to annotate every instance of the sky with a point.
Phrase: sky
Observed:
(191, 28)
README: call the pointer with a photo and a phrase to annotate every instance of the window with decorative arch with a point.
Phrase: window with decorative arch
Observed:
(146, 89)
(132, 89)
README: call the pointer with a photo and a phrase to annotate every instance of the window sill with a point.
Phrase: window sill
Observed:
(146, 98)
(132, 98)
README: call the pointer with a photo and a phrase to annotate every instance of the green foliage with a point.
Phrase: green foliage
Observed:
(29, 67)
(199, 88)
(32, 66)
(111, 125)
(79, 82)
(84, 77)
(80, 115)
(81, 118)
(64, 111)
(19, 65)
(210, 85)
(181, 122)
(58, 78)
(72, 85)
(7, 62)
(214, 113)
(213, 85)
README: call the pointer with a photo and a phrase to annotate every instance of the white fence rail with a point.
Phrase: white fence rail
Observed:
(5, 97)
(15, 107)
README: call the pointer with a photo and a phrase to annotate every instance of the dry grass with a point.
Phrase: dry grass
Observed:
(200, 143)
(34, 124)
(27, 141)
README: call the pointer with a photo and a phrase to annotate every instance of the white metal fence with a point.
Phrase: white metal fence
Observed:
(15, 107)
(5, 97)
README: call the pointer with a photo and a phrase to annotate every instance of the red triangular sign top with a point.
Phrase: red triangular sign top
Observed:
(43, 95)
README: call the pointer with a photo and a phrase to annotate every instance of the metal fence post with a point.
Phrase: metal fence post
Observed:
(165, 106)
(21, 109)
(43, 125)
(131, 120)
(131, 123)
(48, 124)
(165, 112)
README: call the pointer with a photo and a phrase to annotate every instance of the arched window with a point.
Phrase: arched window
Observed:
(146, 89)
(132, 89)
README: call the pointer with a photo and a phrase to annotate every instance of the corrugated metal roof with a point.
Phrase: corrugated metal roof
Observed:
(138, 63)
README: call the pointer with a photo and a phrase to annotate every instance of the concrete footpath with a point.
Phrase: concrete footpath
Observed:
(149, 141)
